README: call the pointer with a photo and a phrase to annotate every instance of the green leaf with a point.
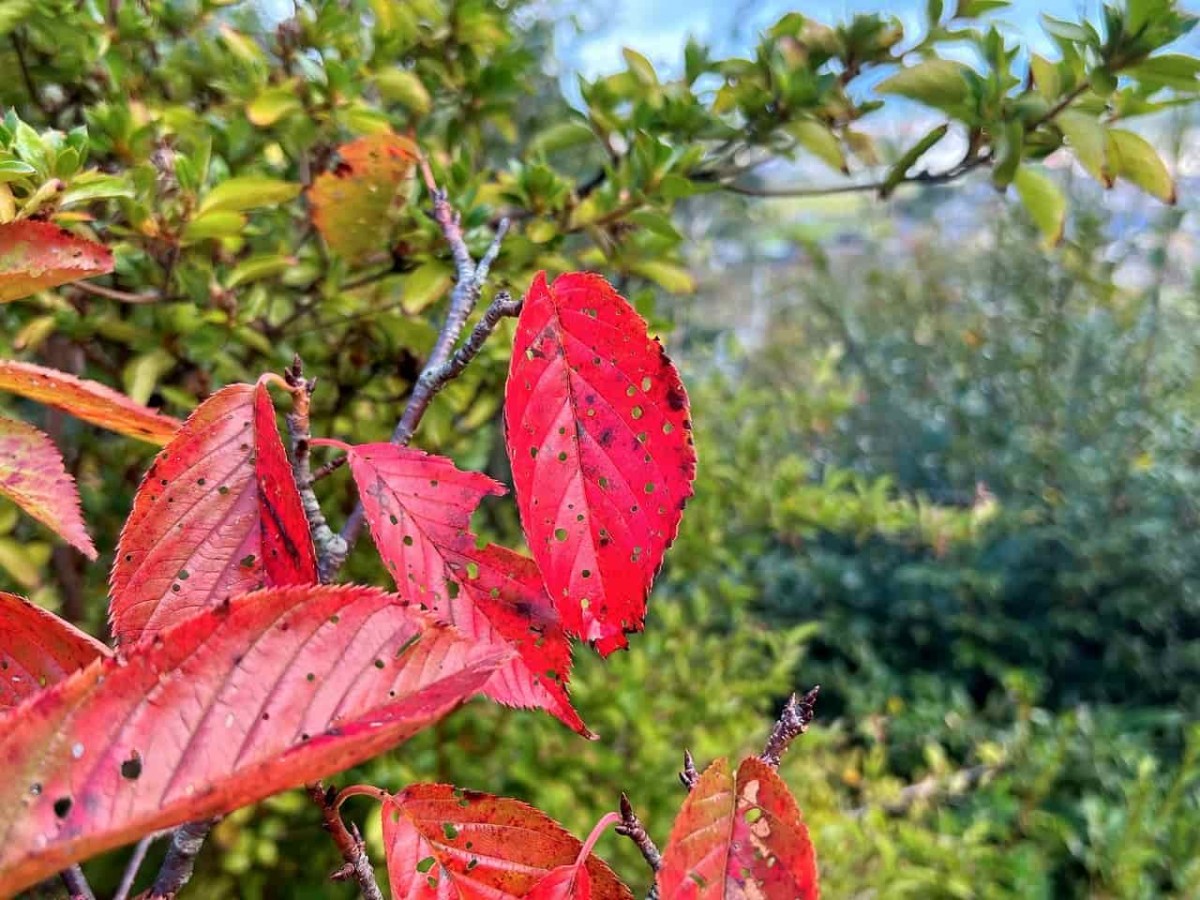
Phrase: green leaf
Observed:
(1173, 70)
(1088, 141)
(92, 186)
(248, 192)
(940, 83)
(973, 9)
(426, 285)
(818, 140)
(272, 105)
(256, 267)
(15, 170)
(897, 172)
(142, 374)
(1045, 76)
(219, 223)
(1044, 201)
(672, 278)
(561, 136)
(1009, 149)
(640, 66)
(404, 87)
(1136, 161)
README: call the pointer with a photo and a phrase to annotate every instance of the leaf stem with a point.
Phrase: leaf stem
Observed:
(349, 843)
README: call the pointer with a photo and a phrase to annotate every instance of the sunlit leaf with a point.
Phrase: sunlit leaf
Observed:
(38, 649)
(35, 256)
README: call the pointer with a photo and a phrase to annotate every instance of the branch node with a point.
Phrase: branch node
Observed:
(631, 826)
(689, 776)
(793, 722)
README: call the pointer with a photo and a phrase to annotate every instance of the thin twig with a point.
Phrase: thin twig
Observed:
(689, 776)
(180, 862)
(100, 290)
(793, 722)
(631, 826)
(133, 867)
(77, 884)
(328, 544)
(349, 844)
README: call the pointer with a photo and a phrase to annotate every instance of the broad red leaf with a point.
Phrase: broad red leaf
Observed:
(217, 514)
(419, 511)
(261, 694)
(351, 204)
(444, 843)
(602, 457)
(572, 882)
(87, 400)
(739, 840)
(35, 256)
(37, 649)
(32, 475)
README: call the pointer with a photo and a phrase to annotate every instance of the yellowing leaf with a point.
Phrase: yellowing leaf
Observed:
(818, 140)
(1136, 161)
(1087, 139)
(272, 105)
(1044, 201)
(404, 87)
(668, 276)
(248, 192)
(426, 285)
(939, 83)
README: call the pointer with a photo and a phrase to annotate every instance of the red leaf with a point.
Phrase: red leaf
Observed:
(572, 882)
(444, 843)
(32, 476)
(351, 204)
(264, 693)
(217, 514)
(87, 400)
(37, 649)
(602, 457)
(35, 256)
(419, 511)
(738, 840)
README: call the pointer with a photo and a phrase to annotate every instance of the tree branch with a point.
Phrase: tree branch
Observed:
(77, 884)
(100, 290)
(133, 866)
(793, 722)
(349, 844)
(631, 826)
(177, 868)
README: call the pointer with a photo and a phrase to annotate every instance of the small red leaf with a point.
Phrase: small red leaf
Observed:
(351, 204)
(419, 511)
(572, 882)
(602, 457)
(32, 475)
(87, 400)
(264, 693)
(443, 842)
(38, 649)
(740, 839)
(35, 256)
(217, 514)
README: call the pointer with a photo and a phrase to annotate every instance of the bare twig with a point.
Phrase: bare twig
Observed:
(439, 367)
(77, 884)
(349, 843)
(631, 826)
(329, 544)
(100, 290)
(689, 776)
(177, 868)
(133, 867)
(793, 722)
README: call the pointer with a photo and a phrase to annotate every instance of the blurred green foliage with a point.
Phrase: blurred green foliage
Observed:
(958, 492)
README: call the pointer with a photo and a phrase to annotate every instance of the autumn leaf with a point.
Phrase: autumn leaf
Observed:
(418, 508)
(572, 882)
(351, 204)
(35, 256)
(445, 842)
(740, 838)
(217, 514)
(32, 475)
(87, 400)
(602, 457)
(263, 693)
(38, 649)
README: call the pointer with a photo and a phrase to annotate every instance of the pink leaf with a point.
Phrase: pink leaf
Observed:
(35, 256)
(444, 843)
(264, 693)
(737, 839)
(602, 457)
(419, 511)
(87, 400)
(218, 514)
(32, 476)
(38, 649)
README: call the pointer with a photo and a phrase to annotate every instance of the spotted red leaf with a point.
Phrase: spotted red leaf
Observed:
(738, 839)
(419, 510)
(602, 457)
(32, 475)
(267, 692)
(352, 203)
(573, 881)
(35, 256)
(444, 843)
(38, 649)
(217, 514)
(87, 400)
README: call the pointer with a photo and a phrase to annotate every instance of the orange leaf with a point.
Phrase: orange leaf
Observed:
(37, 255)
(38, 649)
(32, 476)
(738, 839)
(351, 204)
(261, 694)
(87, 400)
